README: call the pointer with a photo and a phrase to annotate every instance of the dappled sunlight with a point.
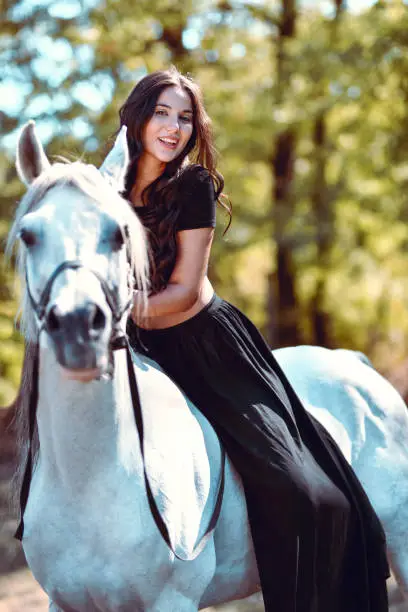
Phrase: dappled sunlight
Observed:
(312, 130)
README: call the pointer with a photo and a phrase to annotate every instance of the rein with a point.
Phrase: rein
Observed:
(118, 341)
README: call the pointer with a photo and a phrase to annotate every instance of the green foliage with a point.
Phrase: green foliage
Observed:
(350, 69)
(10, 339)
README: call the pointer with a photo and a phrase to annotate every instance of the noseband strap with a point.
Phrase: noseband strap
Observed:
(74, 264)
(118, 341)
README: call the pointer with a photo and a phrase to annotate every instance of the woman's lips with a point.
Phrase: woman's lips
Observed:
(168, 143)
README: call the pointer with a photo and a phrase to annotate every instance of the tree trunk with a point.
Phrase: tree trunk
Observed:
(324, 235)
(283, 327)
(324, 219)
(172, 36)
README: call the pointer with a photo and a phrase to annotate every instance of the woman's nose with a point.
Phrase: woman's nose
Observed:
(173, 124)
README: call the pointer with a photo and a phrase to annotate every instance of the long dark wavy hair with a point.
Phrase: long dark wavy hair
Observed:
(161, 194)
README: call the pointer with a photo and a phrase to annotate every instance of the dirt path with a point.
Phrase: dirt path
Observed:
(19, 592)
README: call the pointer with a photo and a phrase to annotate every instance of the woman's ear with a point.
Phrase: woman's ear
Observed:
(31, 159)
(116, 163)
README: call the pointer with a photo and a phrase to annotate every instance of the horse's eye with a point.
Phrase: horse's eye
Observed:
(117, 239)
(28, 237)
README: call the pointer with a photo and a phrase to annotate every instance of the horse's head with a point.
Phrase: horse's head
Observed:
(82, 249)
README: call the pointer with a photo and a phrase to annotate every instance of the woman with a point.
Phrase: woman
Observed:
(318, 543)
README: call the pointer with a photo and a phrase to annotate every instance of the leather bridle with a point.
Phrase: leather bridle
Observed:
(110, 296)
(118, 340)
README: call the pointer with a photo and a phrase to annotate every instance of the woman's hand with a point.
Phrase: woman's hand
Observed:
(139, 310)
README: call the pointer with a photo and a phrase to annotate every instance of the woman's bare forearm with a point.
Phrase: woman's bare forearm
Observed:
(173, 299)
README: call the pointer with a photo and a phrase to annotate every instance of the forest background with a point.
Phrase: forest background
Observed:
(309, 105)
(309, 102)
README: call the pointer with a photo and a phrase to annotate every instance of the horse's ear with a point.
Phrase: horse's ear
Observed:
(31, 160)
(116, 163)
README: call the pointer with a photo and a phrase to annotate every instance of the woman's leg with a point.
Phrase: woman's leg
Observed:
(310, 522)
(299, 534)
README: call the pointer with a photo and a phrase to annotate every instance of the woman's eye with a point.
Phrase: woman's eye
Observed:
(160, 112)
(186, 119)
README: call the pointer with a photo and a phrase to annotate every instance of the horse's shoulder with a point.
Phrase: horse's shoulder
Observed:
(169, 409)
(182, 453)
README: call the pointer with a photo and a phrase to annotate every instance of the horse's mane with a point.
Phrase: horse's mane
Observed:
(89, 181)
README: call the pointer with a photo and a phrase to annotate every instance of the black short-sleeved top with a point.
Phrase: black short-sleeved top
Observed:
(198, 199)
(195, 191)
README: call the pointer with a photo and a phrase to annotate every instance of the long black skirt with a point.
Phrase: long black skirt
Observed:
(318, 542)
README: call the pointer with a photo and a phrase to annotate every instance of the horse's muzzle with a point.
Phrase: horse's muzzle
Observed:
(80, 337)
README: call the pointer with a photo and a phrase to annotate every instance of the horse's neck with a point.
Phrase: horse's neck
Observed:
(85, 427)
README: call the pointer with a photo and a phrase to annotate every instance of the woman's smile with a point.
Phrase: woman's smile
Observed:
(169, 130)
(170, 143)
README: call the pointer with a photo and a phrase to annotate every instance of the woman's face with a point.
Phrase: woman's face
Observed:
(168, 131)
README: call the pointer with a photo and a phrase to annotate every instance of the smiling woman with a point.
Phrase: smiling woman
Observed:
(165, 136)
(172, 162)
(322, 538)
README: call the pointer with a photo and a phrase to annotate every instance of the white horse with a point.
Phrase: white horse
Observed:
(89, 536)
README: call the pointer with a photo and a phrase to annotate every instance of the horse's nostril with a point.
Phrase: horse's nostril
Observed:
(86, 320)
(97, 319)
(53, 320)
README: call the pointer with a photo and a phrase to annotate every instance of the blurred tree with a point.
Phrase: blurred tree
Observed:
(322, 208)
(10, 340)
(283, 306)
(314, 160)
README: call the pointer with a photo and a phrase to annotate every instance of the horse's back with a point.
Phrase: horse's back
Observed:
(362, 411)
(345, 384)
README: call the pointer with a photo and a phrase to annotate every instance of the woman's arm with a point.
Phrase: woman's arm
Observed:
(186, 281)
